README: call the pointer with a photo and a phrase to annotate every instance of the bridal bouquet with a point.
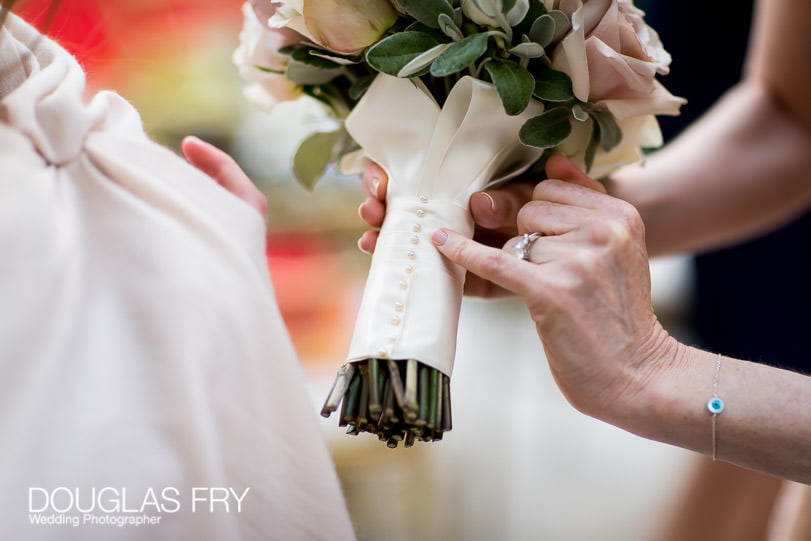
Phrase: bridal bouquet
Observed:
(449, 97)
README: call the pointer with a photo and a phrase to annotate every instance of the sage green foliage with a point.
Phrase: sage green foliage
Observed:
(393, 53)
(460, 55)
(436, 42)
(427, 12)
(313, 156)
(549, 129)
(513, 57)
(514, 84)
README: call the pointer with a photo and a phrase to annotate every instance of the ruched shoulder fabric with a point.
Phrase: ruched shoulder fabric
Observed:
(141, 349)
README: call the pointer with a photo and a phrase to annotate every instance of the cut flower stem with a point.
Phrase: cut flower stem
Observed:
(374, 399)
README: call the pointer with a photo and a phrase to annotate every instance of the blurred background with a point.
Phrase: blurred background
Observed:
(520, 463)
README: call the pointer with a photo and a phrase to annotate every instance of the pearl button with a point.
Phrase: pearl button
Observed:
(414, 239)
(424, 198)
(409, 269)
(395, 320)
(417, 228)
(411, 254)
(399, 306)
(420, 213)
(403, 284)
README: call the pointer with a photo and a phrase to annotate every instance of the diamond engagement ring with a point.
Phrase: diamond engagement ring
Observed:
(521, 250)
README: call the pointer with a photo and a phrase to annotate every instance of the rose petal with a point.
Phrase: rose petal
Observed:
(258, 48)
(570, 57)
(658, 102)
(348, 26)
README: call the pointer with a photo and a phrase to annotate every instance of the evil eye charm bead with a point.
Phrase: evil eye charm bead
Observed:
(715, 405)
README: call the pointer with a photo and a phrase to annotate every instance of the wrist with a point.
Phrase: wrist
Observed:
(649, 391)
(671, 408)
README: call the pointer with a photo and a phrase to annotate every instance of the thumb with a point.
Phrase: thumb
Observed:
(489, 263)
(560, 167)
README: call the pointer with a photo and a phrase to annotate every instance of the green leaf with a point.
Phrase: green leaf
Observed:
(421, 62)
(313, 156)
(579, 112)
(460, 55)
(536, 9)
(390, 55)
(304, 74)
(303, 56)
(516, 13)
(425, 29)
(552, 85)
(548, 129)
(491, 8)
(528, 49)
(514, 84)
(342, 60)
(610, 132)
(268, 70)
(359, 87)
(591, 148)
(562, 24)
(427, 12)
(543, 30)
(449, 28)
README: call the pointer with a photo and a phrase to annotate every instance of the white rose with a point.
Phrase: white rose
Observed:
(638, 132)
(259, 45)
(345, 27)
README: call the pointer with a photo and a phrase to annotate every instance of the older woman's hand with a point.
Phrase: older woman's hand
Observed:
(586, 284)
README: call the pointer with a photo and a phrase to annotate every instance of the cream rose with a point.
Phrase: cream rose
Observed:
(258, 52)
(613, 57)
(345, 27)
(611, 54)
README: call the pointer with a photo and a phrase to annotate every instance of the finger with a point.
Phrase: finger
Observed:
(560, 167)
(489, 263)
(497, 209)
(224, 170)
(545, 249)
(568, 193)
(375, 182)
(368, 241)
(372, 211)
(552, 218)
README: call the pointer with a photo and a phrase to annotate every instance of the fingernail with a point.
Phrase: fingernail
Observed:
(195, 139)
(376, 186)
(490, 199)
(361, 248)
(439, 237)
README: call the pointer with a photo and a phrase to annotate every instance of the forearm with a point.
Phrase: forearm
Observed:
(741, 170)
(765, 426)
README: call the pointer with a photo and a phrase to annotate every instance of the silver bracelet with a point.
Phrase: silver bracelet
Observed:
(715, 405)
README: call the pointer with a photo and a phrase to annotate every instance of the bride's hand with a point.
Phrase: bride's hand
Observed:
(225, 171)
(494, 213)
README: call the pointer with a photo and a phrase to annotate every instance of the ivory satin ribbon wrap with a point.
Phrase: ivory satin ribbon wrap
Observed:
(435, 158)
(141, 347)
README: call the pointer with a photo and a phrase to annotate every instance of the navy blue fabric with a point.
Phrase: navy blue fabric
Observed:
(751, 301)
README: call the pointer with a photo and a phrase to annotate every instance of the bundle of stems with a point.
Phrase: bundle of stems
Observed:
(399, 400)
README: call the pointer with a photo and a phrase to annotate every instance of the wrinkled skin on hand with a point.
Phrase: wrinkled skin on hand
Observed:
(587, 284)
